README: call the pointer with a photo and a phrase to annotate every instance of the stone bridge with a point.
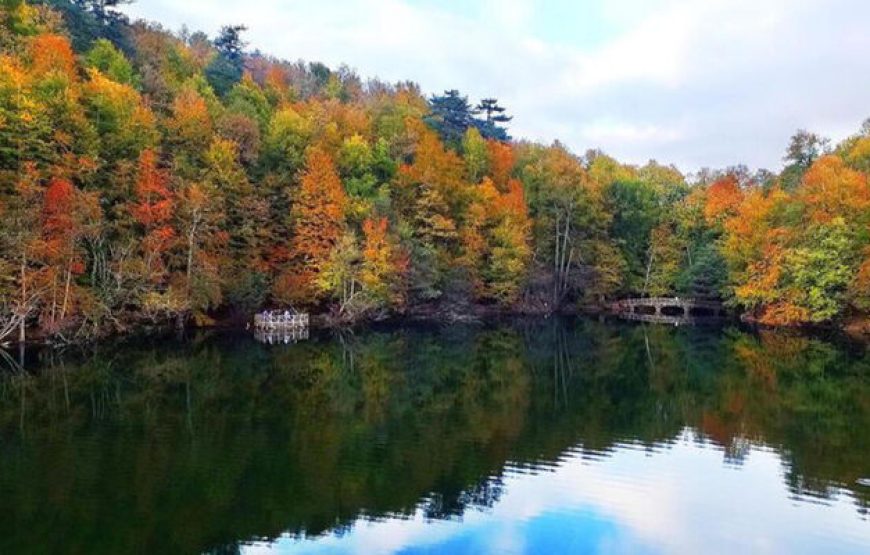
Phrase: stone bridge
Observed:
(669, 310)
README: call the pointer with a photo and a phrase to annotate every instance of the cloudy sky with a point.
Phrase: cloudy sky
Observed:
(696, 83)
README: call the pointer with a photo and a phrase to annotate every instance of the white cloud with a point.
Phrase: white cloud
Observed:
(708, 83)
(598, 132)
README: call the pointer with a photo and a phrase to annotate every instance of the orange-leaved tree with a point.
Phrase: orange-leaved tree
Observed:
(723, 198)
(384, 265)
(502, 161)
(68, 215)
(153, 210)
(52, 53)
(831, 189)
(509, 244)
(318, 224)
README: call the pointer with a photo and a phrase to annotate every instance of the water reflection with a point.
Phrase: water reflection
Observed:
(282, 336)
(537, 435)
(630, 502)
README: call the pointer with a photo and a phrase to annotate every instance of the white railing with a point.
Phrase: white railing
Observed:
(270, 320)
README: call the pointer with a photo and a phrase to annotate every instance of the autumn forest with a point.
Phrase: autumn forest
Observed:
(150, 177)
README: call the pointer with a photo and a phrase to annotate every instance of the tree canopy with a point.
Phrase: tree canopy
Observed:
(147, 177)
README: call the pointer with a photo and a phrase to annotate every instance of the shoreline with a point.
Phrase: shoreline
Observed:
(856, 328)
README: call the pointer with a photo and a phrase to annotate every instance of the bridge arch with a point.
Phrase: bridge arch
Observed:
(669, 309)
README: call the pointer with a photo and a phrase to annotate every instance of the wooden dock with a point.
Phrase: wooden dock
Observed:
(280, 321)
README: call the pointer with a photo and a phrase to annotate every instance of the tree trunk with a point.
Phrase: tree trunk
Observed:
(22, 307)
(649, 264)
(191, 237)
(66, 291)
(567, 270)
(53, 298)
(566, 261)
(556, 242)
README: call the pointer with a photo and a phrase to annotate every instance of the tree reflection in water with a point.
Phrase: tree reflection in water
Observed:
(205, 443)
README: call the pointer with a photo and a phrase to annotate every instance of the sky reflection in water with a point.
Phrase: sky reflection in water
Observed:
(683, 497)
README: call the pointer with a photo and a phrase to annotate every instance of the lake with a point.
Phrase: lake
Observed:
(542, 436)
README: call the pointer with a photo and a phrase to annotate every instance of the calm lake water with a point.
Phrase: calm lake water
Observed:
(532, 437)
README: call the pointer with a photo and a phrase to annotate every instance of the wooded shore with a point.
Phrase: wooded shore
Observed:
(151, 178)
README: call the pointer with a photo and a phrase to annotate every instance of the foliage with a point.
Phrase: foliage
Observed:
(451, 116)
(177, 177)
(107, 59)
(816, 274)
(804, 148)
(227, 65)
(318, 225)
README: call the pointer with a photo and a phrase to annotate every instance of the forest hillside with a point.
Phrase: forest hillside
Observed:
(148, 176)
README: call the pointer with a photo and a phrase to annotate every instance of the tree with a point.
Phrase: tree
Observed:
(804, 148)
(667, 181)
(28, 130)
(224, 174)
(476, 155)
(450, 116)
(124, 124)
(430, 197)
(90, 20)
(494, 112)
(227, 66)
(705, 275)
(105, 10)
(605, 170)
(437, 168)
(509, 249)
(356, 161)
(752, 246)
(858, 156)
(153, 210)
(830, 189)
(244, 133)
(229, 43)
(492, 126)
(67, 216)
(384, 265)
(247, 98)
(339, 275)
(502, 162)
(108, 60)
(146, 174)
(18, 20)
(189, 131)
(285, 142)
(569, 212)
(52, 53)
(815, 276)
(723, 198)
(367, 279)
(199, 221)
(318, 225)
(664, 260)
(636, 212)
(859, 289)
(20, 239)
